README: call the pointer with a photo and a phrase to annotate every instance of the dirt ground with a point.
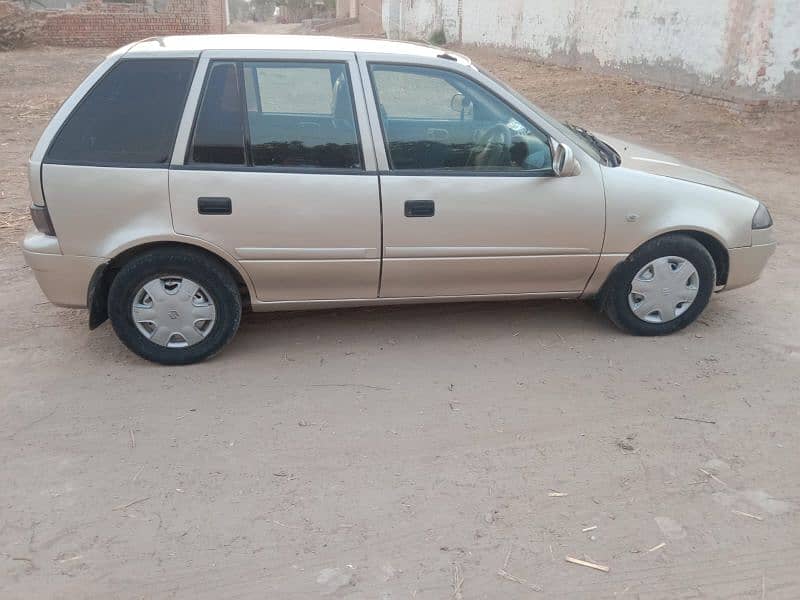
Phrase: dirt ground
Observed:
(428, 452)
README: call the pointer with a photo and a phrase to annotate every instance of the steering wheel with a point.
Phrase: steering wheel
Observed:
(492, 149)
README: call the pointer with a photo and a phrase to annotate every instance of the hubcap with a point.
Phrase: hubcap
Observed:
(173, 312)
(664, 289)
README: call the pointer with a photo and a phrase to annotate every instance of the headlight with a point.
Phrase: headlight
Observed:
(762, 219)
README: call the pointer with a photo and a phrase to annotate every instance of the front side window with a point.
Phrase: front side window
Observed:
(440, 120)
(129, 118)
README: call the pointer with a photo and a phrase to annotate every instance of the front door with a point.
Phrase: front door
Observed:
(275, 174)
(470, 202)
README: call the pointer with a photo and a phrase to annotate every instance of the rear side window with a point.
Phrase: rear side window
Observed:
(295, 89)
(219, 130)
(301, 115)
(129, 118)
(280, 114)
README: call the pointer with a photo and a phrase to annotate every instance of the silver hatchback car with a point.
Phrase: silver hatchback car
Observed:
(189, 178)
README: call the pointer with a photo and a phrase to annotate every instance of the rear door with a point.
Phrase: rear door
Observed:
(273, 168)
(471, 206)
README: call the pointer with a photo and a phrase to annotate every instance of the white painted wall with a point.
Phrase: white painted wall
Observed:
(737, 49)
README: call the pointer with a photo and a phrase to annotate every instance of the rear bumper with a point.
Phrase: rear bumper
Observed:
(63, 279)
(747, 264)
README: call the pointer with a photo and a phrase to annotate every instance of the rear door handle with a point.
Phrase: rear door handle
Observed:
(420, 208)
(214, 205)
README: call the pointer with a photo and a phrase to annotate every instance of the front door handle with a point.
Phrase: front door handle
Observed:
(214, 205)
(420, 208)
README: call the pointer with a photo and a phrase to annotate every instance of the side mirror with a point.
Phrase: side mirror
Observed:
(564, 163)
(460, 103)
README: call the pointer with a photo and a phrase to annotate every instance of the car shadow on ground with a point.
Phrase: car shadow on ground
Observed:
(473, 320)
(344, 330)
(451, 327)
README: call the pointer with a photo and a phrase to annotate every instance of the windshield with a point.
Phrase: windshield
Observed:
(590, 146)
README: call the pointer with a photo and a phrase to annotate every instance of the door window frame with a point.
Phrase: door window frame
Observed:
(467, 70)
(185, 136)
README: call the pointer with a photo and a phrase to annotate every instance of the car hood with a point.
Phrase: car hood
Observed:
(649, 161)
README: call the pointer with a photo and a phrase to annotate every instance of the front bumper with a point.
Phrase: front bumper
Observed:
(63, 279)
(747, 264)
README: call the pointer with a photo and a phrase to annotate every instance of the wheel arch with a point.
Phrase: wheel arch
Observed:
(717, 250)
(100, 283)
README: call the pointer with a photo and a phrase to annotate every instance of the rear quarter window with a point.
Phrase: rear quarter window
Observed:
(129, 118)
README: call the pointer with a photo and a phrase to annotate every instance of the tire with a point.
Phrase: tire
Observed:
(177, 271)
(665, 254)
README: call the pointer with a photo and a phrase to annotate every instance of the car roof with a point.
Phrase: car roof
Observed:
(200, 43)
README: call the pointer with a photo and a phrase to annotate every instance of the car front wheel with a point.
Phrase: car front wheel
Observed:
(174, 306)
(661, 287)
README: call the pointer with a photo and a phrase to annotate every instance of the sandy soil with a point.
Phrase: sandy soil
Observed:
(413, 452)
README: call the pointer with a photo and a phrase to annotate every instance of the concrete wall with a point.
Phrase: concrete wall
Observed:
(741, 50)
(368, 13)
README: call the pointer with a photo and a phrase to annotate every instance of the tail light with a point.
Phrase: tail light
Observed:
(41, 219)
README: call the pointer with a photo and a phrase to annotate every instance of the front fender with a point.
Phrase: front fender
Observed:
(641, 206)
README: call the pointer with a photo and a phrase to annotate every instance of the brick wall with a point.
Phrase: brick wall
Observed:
(116, 24)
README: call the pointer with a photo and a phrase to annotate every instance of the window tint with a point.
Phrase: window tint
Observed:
(301, 115)
(219, 132)
(438, 119)
(130, 117)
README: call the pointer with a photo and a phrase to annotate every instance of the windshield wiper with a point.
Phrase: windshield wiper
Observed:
(607, 152)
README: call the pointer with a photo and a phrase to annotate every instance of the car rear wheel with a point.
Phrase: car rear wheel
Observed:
(661, 287)
(174, 306)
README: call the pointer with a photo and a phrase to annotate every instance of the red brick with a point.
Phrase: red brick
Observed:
(99, 24)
